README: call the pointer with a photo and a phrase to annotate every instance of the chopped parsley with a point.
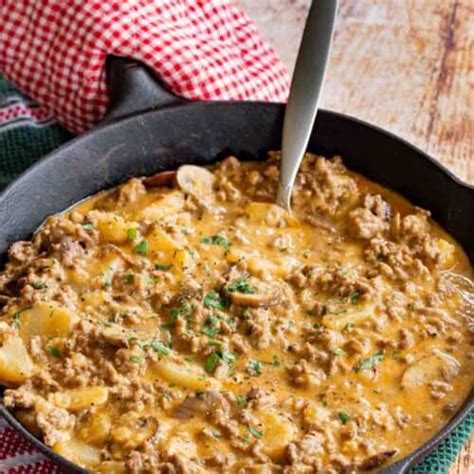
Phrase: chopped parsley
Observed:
(228, 358)
(39, 285)
(201, 395)
(355, 297)
(255, 367)
(241, 285)
(159, 347)
(256, 433)
(55, 352)
(141, 248)
(276, 361)
(370, 362)
(210, 328)
(162, 266)
(132, 234)
(411, 307)
(311, 312)
(129, 278)
(214, 300)
(210, 331)
(216, 240)
(339, 352)
(185, 310)
(88, 227)
(344, 417)
(241, 401)
(135, 359)
(211, 362)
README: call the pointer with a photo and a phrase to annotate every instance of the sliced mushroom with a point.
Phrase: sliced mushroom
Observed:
(256, 300)
(202, 403)
(196, 181)
(165, 178)
(434, 367)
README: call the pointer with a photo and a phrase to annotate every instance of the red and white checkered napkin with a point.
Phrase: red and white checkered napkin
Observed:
(55, 51)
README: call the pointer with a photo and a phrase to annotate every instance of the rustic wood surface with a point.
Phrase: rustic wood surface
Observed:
(406, 65)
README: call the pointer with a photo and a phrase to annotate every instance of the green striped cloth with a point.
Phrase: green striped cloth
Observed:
(24, 139)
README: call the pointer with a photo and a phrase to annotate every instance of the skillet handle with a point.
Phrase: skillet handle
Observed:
(134, 88)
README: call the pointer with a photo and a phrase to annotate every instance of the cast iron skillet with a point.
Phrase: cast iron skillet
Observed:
(149, 130)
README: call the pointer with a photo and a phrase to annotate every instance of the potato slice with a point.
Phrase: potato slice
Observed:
(437, 366)
(166, 205)
(80, 398)
(96, 429)
(165, 250)
(78, 452)
(278, 432)
(16, 365)
(180, 375)
(47, 320)
(112, 227)
(349, 317)
(134, 430)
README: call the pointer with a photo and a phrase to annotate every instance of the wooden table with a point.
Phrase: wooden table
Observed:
(406, 65)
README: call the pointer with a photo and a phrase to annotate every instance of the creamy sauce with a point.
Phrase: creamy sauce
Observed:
(194, 325)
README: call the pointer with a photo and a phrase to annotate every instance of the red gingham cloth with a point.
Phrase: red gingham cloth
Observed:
(55, 51)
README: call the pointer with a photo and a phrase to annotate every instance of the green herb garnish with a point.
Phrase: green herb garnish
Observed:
(55, 352)
(135, 359)
(132, 234)
(162, 266)
(211, 362)
(370, 362)
(129, 278)
(241, 285)
(141, 248)
(39, 285)
(339, 352)
(344, 417)
(276, 361)
(210, 331)
(184, 310)
(355, 297)
(255, 367)
(216, 240)
(159, 347)
(255, 433)
(214, 300)
(241, 401)
(88, 227)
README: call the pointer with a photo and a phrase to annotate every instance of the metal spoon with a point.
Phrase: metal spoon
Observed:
(305, 93)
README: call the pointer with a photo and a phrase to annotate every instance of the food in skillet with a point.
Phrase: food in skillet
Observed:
(184, 323)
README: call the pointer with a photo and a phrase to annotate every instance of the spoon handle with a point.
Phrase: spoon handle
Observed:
(305, 93)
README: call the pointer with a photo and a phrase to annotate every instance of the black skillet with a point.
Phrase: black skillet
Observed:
(149, 130)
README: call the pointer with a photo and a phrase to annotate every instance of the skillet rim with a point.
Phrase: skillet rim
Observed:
(400, 466)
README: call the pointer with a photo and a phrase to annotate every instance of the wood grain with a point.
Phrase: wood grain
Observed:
(406, 65)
